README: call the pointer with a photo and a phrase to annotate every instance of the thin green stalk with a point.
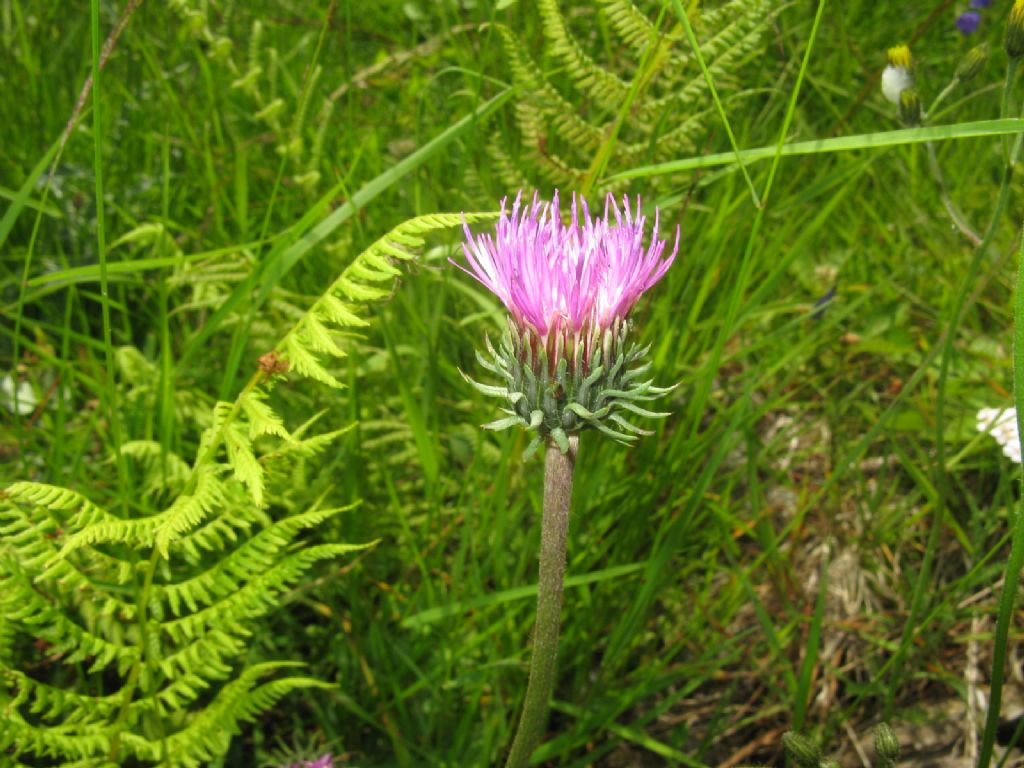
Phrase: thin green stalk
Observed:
(950, 86)
(685, 19)
(955, 214)
(1011, 576)
(558, 471)
(110, 394)
(940, 482)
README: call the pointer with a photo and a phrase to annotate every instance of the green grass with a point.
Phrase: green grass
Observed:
(800, 457)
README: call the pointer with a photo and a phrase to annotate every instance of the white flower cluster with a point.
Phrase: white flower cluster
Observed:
(1001, 423)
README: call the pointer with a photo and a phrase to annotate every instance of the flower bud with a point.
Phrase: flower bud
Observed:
(1014, 40)
(971, 64)
(968, 22)
(801, 750)
(887, 746)
(897, 77)
(910, 107)
(899, 56)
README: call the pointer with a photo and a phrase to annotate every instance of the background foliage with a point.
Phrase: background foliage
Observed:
(746, 571)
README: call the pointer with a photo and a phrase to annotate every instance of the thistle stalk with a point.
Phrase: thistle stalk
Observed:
(566, 364)
(558, 472)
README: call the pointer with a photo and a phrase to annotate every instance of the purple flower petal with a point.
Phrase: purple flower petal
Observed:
(980, 3)
(568, 280)
(968, 21)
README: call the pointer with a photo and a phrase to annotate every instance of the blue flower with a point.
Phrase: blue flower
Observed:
(968, 21)
(980, 3)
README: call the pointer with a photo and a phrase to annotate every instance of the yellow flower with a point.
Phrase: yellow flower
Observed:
(900, 55)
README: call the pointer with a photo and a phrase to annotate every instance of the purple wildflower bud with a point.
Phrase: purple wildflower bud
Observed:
(968, 21)
(980, 3)
(324, 761)
(569, 288)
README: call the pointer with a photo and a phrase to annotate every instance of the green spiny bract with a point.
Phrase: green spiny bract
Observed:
(555, 393)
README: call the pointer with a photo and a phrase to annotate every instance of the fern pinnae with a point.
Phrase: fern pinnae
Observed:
(740, 45)
(242, 459)
(53, 703)
(252, 557)
(606, 88)
(69, 641)
(257, 597)
(666, 85)
(33, 540)
(162, 470)
(262, 418)
(629, 22)
(543, 99)
(202, 571)
(207, 735)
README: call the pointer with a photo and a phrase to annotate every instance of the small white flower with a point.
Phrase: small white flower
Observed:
(1001, 423)
(895, 80)
(26, 400)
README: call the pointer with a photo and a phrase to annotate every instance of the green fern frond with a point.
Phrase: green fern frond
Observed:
(211, 655)
(242, 564)
(558, 141)
(29, 536)
(66, 741)
(52, 703)
(208, 733)
(162, 605)
(22, 603)
(508, 171)
(305, 363)
(242, 459)
(219, 533)
(262, 419)
(544, 102)
(359, 284)
(606, 88)
(57, 499)
(629, 22)
(257, 597)
(162, 470)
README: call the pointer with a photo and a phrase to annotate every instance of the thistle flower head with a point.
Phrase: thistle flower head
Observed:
(568, 287)
(567, 280)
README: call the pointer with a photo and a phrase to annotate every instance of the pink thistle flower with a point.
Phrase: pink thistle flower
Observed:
(567, 362)
(567, 280)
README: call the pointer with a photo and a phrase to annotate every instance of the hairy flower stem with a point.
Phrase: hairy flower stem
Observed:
(558, 470)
